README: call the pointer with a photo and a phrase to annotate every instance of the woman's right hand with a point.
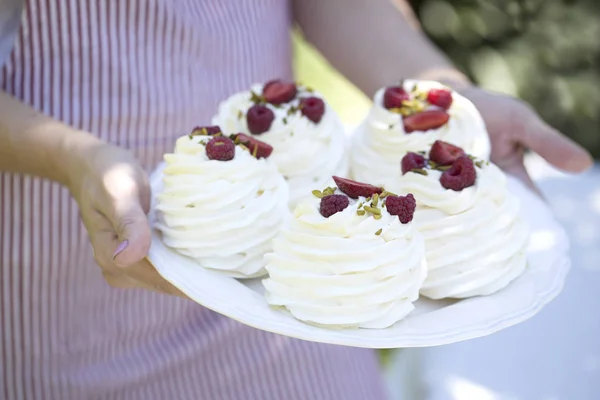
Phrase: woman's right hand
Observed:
(113, 194)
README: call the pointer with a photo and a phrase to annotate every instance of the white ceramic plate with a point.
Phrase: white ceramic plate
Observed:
(431, 323)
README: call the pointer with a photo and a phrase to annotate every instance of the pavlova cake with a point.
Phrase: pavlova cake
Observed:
(222, 201)
(351, 257)
(475, 239)
(308, 139)
(410, 117)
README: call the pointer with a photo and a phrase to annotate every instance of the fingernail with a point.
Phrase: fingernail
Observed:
(120, 248)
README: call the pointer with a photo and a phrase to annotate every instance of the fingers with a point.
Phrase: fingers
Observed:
(146, 275)
(141, 274)
(554, 147)
(133, 233)
(129, 196)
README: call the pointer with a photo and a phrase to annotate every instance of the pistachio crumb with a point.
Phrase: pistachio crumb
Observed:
(375, 200)
(317, 194)
(377, 216)
(361, 212)
(379, 231)
(419, 171)
(373, 210)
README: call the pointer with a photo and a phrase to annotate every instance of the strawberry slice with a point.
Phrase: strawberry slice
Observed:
(440, 97)
(425, 120)
(444, 153)
(206, 130)
(356, 189)
(257, 148)
(279, 92)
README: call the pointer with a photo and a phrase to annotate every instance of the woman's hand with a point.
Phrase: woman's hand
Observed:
(514, 126)
(114, 196)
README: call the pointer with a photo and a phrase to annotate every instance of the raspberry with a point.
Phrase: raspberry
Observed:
(444, 153)
(356, 189)
(394, 96)
(425, 120)
(412, 161)
(460, 175)
(257, 148)
(440, 97)
(402, 206)
(312, 108)
(220, 148)
(279, 92)
(259, 119)
(206, 130)
(334, 203)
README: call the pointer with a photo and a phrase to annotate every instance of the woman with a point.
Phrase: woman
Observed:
(87, 80)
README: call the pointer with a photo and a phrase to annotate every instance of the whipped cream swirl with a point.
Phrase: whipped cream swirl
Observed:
(224, 214)
(338, 272)
(380, 142)
(475, 239)
(306, 153)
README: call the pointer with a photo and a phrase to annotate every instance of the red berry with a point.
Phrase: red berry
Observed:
(206, 130)
(279, 92)
(440, 97)
(425, 120)
(394, 96)
(402, 206)
(220, 148)
(257, 148)
(412, 161)
(332, 204)
(460, 175)
(356, 189)
(312, 108)
(444, 153)
(259, 119)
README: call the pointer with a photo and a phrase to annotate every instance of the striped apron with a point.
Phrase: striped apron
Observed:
(138, 73)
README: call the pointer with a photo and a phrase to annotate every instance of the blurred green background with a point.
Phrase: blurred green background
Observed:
(546, 52)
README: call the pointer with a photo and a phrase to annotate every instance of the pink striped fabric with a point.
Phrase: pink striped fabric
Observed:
(138, 73)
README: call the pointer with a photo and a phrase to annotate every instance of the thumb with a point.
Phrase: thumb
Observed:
(133, 232)
(128, 197)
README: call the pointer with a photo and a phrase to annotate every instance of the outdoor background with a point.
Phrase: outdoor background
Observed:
(546, 52)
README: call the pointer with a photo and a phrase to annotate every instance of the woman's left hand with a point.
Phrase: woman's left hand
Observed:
(514, 126)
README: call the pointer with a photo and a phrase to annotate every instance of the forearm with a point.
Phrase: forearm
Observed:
(34, 144)
(373, 42)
